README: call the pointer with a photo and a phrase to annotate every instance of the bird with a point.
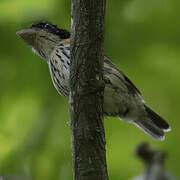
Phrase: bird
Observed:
(121, 97)
(154, 161)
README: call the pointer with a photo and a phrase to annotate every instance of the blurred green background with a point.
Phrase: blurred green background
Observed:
(142, 38)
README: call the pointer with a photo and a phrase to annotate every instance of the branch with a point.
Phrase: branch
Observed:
(87, 90)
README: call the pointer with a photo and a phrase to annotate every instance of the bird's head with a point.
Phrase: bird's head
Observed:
(43, 37)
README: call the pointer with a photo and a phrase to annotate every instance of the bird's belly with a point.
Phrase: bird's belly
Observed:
(114, 103)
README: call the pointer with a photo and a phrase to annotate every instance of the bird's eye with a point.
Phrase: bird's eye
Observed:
(47, 26)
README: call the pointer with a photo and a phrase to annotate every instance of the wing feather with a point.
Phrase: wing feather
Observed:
(112, 71)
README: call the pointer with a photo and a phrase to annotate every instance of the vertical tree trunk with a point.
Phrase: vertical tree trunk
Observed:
(87, 90)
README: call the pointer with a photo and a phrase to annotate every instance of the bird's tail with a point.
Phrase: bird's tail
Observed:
(153, 125)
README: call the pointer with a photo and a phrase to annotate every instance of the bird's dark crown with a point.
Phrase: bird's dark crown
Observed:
(62, 33)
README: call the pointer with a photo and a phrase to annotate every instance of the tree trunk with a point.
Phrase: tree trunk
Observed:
(87, 90)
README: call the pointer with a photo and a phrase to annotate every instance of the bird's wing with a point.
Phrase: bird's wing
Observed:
(118, 78)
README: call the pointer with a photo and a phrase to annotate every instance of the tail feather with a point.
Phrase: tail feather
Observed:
(153, 124)
(150, 129)
(157, 120)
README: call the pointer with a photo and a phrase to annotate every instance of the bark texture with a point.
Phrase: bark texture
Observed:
(87, 90)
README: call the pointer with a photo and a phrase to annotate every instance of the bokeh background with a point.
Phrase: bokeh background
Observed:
(142, 38)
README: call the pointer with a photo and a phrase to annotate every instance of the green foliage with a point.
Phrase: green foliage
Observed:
(142, 38)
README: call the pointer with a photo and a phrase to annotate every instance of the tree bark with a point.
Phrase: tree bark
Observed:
(87, 90)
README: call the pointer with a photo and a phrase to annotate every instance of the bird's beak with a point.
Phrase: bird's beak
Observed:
(28, 35)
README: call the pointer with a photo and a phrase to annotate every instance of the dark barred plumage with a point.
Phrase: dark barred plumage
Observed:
(121, 97)
(59, 68)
